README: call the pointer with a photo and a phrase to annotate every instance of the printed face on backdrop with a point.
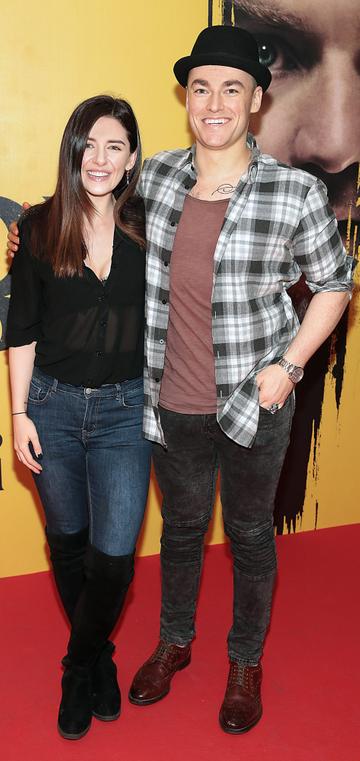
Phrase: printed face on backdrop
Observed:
(219, 101)
(311, 114)
(106, 157)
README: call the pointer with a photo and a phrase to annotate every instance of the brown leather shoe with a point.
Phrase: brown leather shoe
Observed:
(152, 681)
(242, 707)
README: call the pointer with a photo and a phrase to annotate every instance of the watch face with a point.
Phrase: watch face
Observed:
(296, 374)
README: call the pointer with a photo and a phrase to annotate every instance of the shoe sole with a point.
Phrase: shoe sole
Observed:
(241, 731)
(106, 718)
(150, 701)
(71, 735)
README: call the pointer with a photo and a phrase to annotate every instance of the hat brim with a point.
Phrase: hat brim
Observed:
(260, 73)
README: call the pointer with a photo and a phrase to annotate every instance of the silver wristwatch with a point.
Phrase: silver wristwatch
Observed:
(294, 372)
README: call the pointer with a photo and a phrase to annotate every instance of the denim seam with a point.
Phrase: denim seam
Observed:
(89, 500)
(186, 524)
(243, 661)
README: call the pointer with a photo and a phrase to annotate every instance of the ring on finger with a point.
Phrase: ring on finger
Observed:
(273, 409)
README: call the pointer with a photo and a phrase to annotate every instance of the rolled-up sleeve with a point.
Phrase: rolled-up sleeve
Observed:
(24, 316)
(318, 248)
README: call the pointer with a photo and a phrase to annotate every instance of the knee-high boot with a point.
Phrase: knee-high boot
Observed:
(107, 579)
(67, 554)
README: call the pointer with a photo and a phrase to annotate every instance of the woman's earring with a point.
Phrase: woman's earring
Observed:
(127, 176)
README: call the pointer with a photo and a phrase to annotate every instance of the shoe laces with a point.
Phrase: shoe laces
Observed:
(242, 676)
(163, 653)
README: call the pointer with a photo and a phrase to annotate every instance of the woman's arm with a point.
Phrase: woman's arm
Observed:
(21, 363)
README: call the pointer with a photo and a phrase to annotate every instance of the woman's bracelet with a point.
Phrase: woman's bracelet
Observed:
(19, 413)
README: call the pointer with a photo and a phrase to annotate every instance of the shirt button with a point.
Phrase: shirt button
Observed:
(166, 264)
(101, 298)
(157, 380)
(161, 341)
(172, 224)
(164, 301)
(99, 353)
(103, 323)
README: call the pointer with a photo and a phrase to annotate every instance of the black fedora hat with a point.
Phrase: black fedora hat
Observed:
(224, 46)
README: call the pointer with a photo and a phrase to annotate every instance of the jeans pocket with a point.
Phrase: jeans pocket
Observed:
(134, 396)
(39, 392)
(264, 411)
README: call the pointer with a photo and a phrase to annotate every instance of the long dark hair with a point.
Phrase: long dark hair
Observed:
(57, 224)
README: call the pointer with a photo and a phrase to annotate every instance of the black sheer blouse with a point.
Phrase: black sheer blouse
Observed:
(87, 332)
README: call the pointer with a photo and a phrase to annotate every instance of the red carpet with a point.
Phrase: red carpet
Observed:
(311, 665)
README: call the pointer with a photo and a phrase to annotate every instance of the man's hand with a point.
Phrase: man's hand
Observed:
(274, 386)
(13, 239)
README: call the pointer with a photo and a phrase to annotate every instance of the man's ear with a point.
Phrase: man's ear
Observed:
(256, 99)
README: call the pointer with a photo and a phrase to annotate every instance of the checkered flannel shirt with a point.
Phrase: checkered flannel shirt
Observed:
(278, 225)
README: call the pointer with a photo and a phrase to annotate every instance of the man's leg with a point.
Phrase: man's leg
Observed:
(186, 472)
(249, 479)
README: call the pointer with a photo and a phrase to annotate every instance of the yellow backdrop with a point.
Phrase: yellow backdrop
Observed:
(53, 55)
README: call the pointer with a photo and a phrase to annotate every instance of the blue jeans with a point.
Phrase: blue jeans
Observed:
(96, 463)
(186, 472)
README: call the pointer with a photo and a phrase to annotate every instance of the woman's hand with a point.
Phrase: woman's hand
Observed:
(274, 386)
(24, 433)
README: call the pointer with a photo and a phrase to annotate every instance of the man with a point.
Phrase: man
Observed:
(228, 229)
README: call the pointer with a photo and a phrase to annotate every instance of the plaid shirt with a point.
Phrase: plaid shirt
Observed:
(278, 225)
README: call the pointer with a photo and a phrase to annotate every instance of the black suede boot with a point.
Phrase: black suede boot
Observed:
(67, 554)
(76, 703)
(106, 697)
(107, 579)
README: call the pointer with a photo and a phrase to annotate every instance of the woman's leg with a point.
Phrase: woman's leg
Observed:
(62, 484)
(67, 554)
(118, 469)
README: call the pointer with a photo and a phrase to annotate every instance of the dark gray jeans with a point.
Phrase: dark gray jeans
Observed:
(186, 473)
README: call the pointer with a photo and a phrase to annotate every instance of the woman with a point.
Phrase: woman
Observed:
(75, 329)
